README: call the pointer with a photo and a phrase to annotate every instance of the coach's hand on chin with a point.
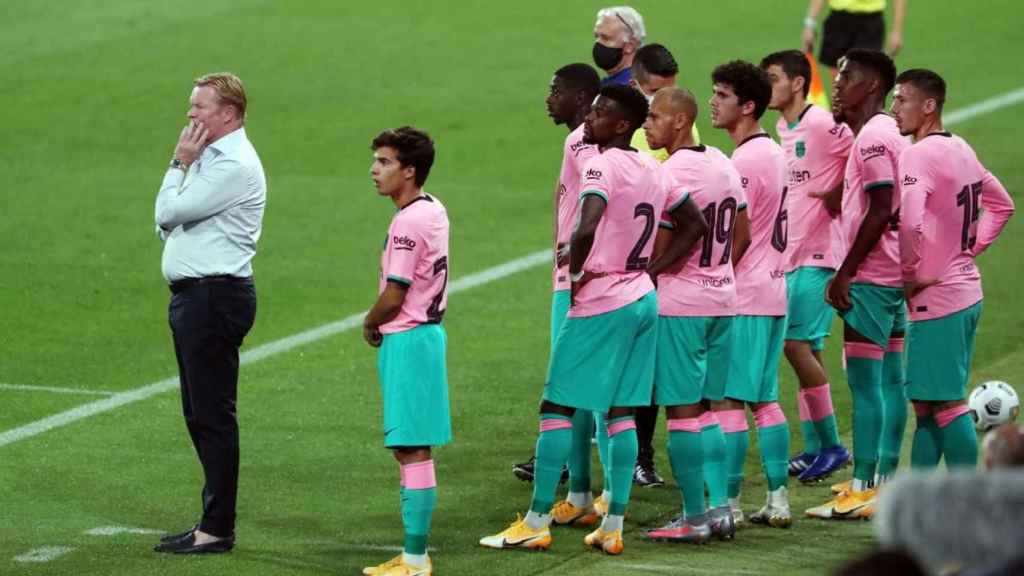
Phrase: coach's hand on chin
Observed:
(191, 143)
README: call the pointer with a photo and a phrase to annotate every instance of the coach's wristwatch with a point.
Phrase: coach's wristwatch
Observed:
(179, 165)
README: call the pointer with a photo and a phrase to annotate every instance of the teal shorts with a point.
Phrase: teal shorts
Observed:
(939, 353)
(809, 316)
(414, 387)
(756, 350)
(876, 312)
(692, 360)
(560, 301)
(605, 360)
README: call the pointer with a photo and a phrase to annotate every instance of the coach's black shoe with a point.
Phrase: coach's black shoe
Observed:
(179, 535)
(187, 545)
(524, 471)
(645, 476)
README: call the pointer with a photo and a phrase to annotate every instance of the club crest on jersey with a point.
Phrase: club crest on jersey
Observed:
(909, 180)
(801, 149)
(403, 243)
(873, 151)
(592, 174)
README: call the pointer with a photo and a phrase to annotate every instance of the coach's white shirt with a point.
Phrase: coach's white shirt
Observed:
(210, 218)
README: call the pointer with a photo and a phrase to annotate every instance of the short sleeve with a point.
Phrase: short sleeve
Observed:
(676, 193)
(406, 246)
(840, 140)
(594, 179)
(877, 162)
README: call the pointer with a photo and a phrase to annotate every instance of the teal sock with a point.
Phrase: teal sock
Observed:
(553, 448)
(622, 450)
(417, 510)
(827, 431)
(736, 445)
(685, 453)
(959, 443)
(715, 474)
(809, 432)
(926, 450)
(602, 449)
(894, 416)
(579, 455)
(865, 377)
(774, 444)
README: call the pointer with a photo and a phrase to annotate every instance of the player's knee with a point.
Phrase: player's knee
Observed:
(548, 407)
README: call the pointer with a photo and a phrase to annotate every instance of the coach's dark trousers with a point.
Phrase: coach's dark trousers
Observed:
(209, 318)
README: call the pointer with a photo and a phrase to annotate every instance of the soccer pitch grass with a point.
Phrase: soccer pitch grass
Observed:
(95, 95)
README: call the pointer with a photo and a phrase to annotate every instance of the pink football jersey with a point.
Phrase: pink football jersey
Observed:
(816, 150)
(760, 274)
(627, 180)
(873, 165)
(416, 254)
(944, 190)
(704, 284)
(574, 155)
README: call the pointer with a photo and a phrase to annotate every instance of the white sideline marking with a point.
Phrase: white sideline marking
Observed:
(58, 390)
(44, 554)
(984, 107)
(258, 353)
(320, 332)
(115, 530)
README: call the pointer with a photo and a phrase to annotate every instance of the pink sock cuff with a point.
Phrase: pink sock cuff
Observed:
(419, 476)
(895, 345)
(733, 420)
(548, 424)
(949, 414)
(801, 406)
(770, 415)
(683, 425)
(708, 419)
(863, 350)
(620, 426)
(922, 410)
(819, 401)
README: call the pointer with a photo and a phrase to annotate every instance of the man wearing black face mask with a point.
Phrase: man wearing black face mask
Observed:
(618, 33)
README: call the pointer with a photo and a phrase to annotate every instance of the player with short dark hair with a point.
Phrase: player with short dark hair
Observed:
(944, 189)
(741, 94)
(405, 323)
(603, 359)
(867, 290)
(816, 148)
(573, 88)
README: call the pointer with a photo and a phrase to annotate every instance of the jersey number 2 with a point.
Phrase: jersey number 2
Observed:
(635, 261)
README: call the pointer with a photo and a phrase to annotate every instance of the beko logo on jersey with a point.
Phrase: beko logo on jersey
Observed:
(909, 180)
(872, 151)
(575, 148)
(403, 243)
(593, 174)
(799, 176)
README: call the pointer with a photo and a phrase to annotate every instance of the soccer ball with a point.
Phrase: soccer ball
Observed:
(993, 403)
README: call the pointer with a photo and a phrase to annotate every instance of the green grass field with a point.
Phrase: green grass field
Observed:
(94, 96)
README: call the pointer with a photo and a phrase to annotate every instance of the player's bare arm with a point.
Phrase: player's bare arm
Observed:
(583, 239)
(878, 217)
(690, 227)
(741, 236)
(388, 304)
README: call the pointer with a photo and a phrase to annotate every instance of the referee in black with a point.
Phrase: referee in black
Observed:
(209, 213)
(853, 24)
